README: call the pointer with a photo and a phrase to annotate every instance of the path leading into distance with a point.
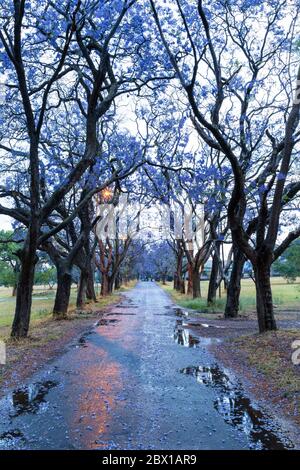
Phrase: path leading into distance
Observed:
(138, 380)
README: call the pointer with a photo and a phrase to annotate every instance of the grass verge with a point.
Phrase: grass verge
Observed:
(285, 297)
(265, 359)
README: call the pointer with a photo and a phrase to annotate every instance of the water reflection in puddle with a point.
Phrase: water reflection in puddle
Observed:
(12, 439)
(237, 409)
(82, 342)
(31, 398)
(206, 325)
(184, 337)
(179, 312)
(106, 321)
(111, 314)
(126, 306)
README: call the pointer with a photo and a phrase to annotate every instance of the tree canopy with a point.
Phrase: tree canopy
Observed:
(178, 103)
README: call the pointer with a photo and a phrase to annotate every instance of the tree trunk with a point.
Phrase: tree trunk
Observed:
(213, 281)
(110, 283)
(200, 274)
(63, 291)
(178, 272)
(14, 290)
(190, 279)
(118, 281)
(16, 271)
(90, 290)
(196, 284)
(234, 286)
(264, 301)
(28, 260)
(104, 284)
(176, 284)
(82, 289)
(182, 286)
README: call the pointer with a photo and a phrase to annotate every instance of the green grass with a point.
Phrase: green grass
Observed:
(285, 296)
(42, 303)
(128, 286)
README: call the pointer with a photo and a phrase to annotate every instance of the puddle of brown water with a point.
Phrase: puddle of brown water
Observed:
(237, 409)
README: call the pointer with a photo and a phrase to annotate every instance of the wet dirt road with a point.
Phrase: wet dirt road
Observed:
(138, 380)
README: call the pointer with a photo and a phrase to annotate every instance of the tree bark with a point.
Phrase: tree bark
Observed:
(118, 281)
(111, 283)
(21, 321)
(82, 289)
(104, 284)
(196, 284)
(178, 278)
(63, 291)
(28, 260)
(234, 286)
(264, 301)
(90, 288)
(14, 290)
(213, 281)
(176, 284)
(190, 279)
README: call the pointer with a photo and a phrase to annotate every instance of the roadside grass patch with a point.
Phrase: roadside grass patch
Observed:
(270, 354)
(285, 295)
(129, 285)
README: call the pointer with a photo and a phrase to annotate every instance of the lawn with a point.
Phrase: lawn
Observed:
(285, 296)
(42, 304)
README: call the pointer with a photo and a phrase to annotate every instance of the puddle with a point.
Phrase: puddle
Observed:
(179, 312)
(171, 311)
(127, 306)
(206, 325)
(185, 338)
(82, 342)
(237, 409)
(118, 313)
(31, 398)
(106, 321)
(12, 439)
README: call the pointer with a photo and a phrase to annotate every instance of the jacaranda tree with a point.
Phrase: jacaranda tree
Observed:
(237, 65)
